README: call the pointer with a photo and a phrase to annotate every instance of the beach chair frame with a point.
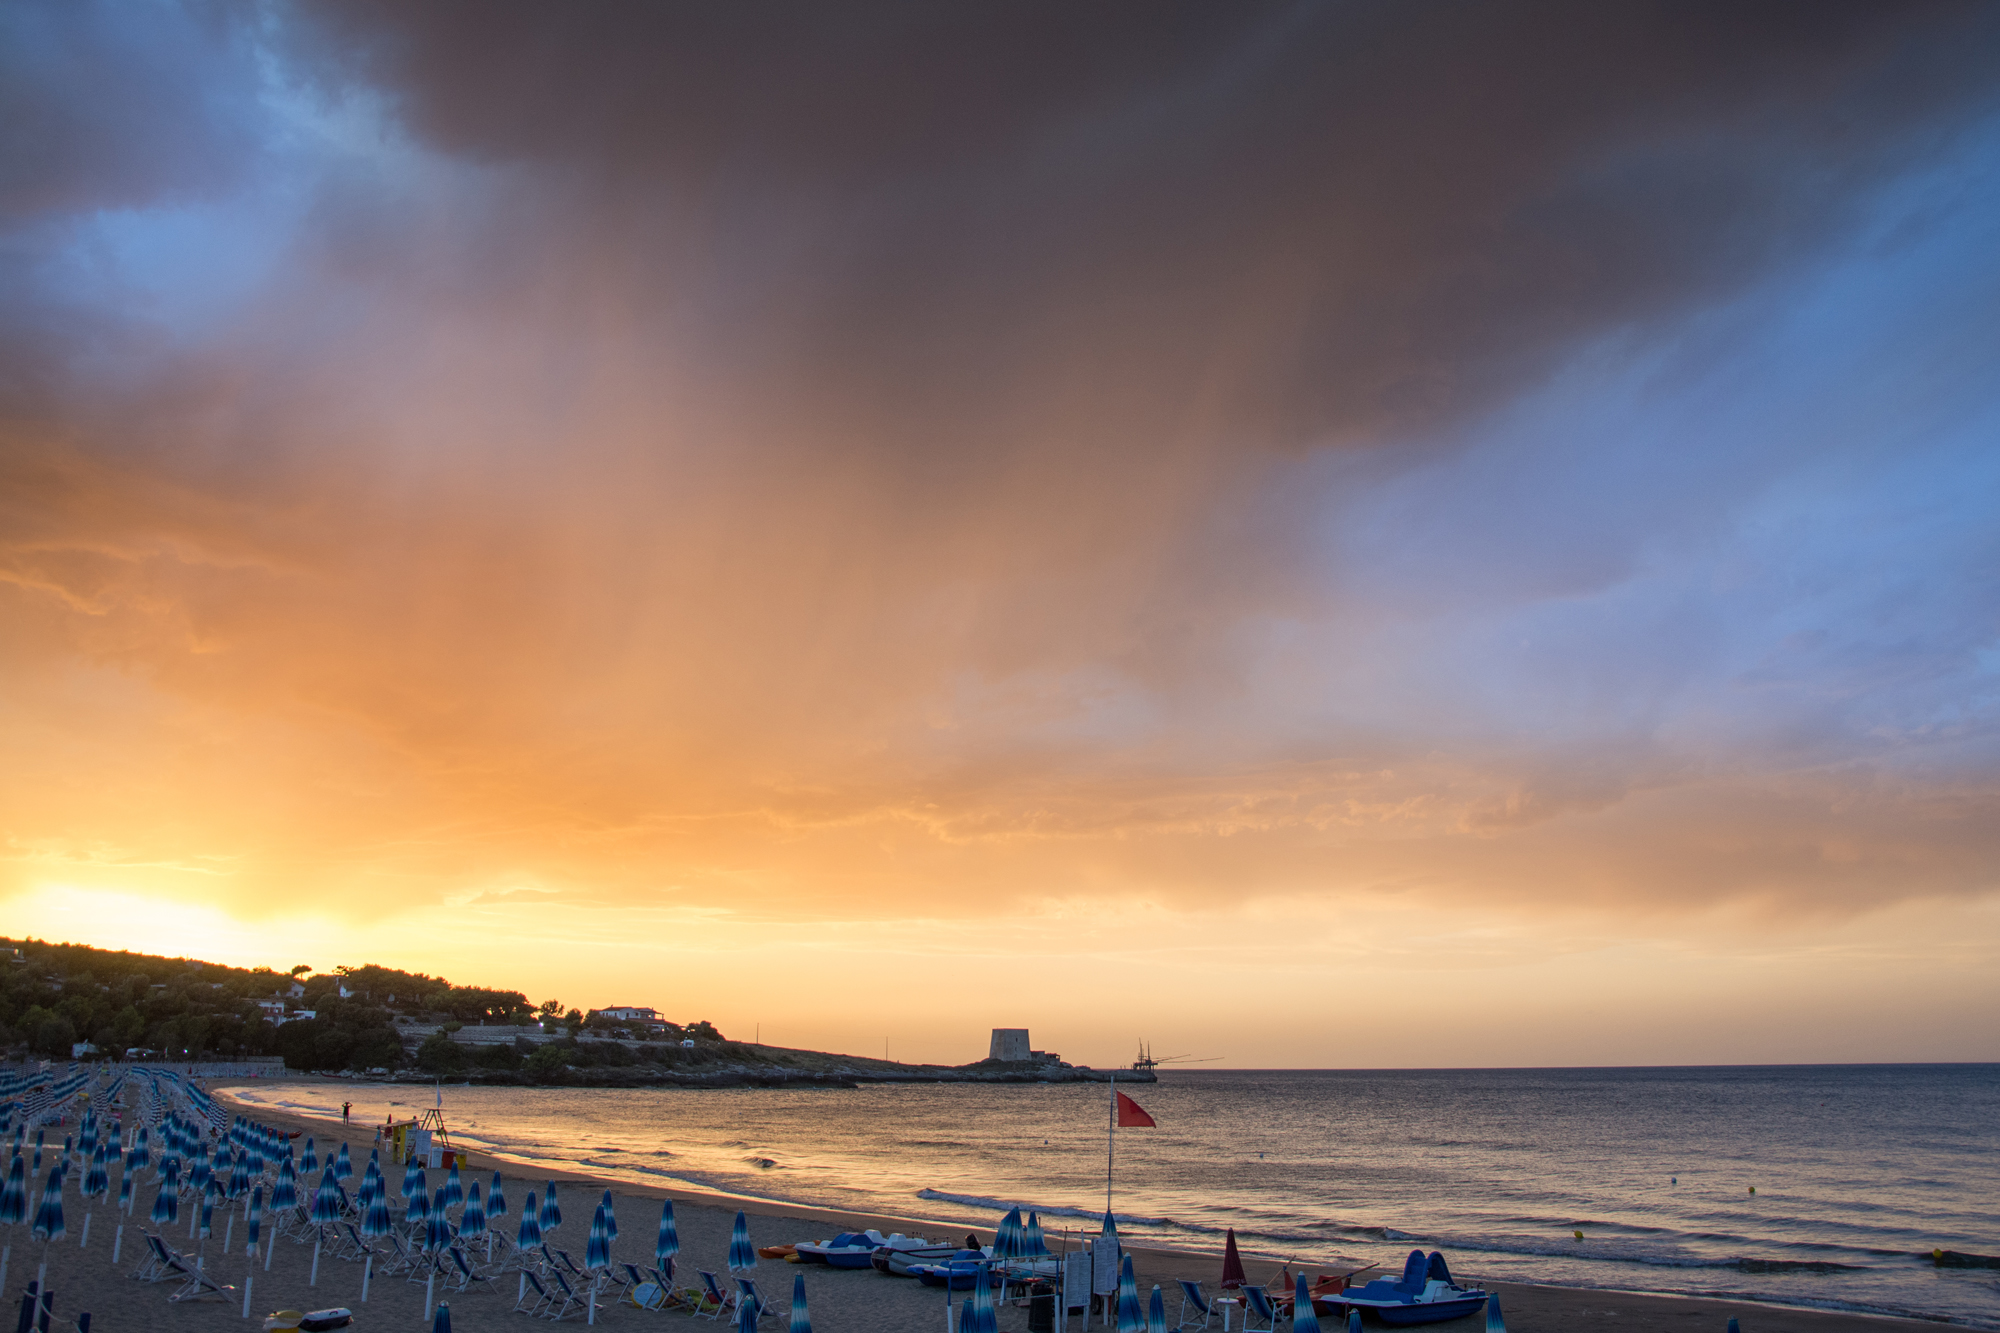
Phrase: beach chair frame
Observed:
(710, 1290)
(746, 1291)
(1192, 1296)
(534, 1296)
(1257, 1304)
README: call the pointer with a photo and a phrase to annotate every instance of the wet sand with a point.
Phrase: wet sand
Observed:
(842, 1302)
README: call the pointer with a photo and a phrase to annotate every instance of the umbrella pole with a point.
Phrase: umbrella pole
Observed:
(270, 1248)
(429, 1279)
(367, 1270)
(84, 1239)
(314, 1280)
(228, 1231)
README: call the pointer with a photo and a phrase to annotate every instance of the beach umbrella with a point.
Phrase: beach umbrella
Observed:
(14, 1194)
(1232, 1263)
(140, 1156)
(1007, 1236)
(1131, 1319)
(1304, 1318)
(452, 1193)
(1733, 1327)
(597, 1251)
(496, 1200)
(530, 1234)
(40, 1134)
(668, 1243)
(551, 1217)
(125, 1191)
(1156, 1313)
(473, 1220)
(372, 1185)
(801, 1321)
(1353, 1320)
(310, 1162)
(375, 1219)
(741, 1255)
(198, 1178)
(413, 1172)
(442, 1324)
(285, 1194)
(240, 1175)
(746, 1315)
(417, 1208)
(1038, 1245)
(343, 1165)
(207, 1219)
(96, 1181)
(437, 1231)
(1495, 1321)
(167, 1202)
(610, 1217)
(985, 1318)
(48, 1224)
(256, 1219)
(86, 1134)
(326, 1200)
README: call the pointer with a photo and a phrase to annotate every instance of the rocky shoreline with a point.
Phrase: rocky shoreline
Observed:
(768, 1076)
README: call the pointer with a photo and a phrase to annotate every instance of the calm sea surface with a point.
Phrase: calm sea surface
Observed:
(1859, 1171)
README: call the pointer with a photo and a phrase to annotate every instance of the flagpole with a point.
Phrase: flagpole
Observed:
(1110, 1145)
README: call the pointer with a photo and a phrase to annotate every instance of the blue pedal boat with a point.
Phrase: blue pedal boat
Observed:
(1425, 1294)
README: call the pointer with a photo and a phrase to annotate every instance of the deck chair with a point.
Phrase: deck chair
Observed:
(534, 1296)
(198, 1286)
(157, 1265)
(392, 1256)
(1257, 1306)
(710, 1293)
(747, 1294)
(1195, 1299)
(458, 1274)
(349, 1243)
(568, 1298)
(560, 1259)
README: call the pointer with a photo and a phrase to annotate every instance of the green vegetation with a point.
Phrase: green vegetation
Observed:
(54, 995)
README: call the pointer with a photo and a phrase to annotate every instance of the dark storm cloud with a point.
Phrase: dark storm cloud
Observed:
(1257, 224)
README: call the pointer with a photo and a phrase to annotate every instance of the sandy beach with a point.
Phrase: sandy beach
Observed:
(842, 1302)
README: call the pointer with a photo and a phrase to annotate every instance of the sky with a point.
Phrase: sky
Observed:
(1342, 534)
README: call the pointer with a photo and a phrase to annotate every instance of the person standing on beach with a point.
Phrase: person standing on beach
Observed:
(346, 1110)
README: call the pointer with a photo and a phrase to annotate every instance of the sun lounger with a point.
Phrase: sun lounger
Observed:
(1193, 1298)
(746, 1293)
(567, 1297)
(710, 1294)
(158, 1265)
(198, 1286)
(534, 1296)
(460, 1275)
(1257, 1306)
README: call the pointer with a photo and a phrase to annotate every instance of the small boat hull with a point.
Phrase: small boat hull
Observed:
(1426, 1312)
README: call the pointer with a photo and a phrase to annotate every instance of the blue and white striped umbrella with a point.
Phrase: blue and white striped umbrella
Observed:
(413, 1172)
(343, 1165)
(985, 1318)
(166, 1203)
(668, 1244)
(48, 1224)
(801, 1321)
(597, 1251)
(373, 1187)
(417, 1208)
(96, 1181)
(256, 1219)
(551, 1217)
(746, 1315)
(326, 1200)
(310, 1162)
(473, 1220)
(14, 1194)
(1131, 1319)
(610, 1217)
(741, 1255)
(451, 1193)
(437, 1231)
(125, 1190)
(207, 1222)
(375, 1219)
(1304, 1318)
(1007, 1237)
(1156, 1313)
(198, 1178)
(1495, 1321)
(1037, 1244)
(140, 1156)
(530, 1234)
(496, 1200)
(285, 1194)
(86, 1134)
(1353, 1320)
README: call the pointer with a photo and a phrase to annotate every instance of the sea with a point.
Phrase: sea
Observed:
(1817, 1186)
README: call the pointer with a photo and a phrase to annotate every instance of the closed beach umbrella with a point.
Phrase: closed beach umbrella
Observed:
(1007, 1236)
(1038, 1245)
(240, 1174)
(985, 1319)
(741, 1255)
(125, 1190)
(1495, 1321)
(551, 1217)
(310, 1162)
(167, 1203)
(285, 1194)
(14, 1194)
(199, 1177)
(86, 1134)
(373, 1187)
(256, 1219)
(746, 1316)
(1156, 1313)
(473, 1220)
(452, 1193)
(375, 1219)
(1304, 1318)
(343, 1165)
(597, 1251)
(96, 1181)
(496, 1200)
(437, 1231)
(801, 1321)
(48, 1225)
(530, 1234)
(610, 1217)
(1131, 1319)
(207, 1227)
(1232, 1262)
(140, 1156)
(669, 1242)
(417, 1208)
(412, 1173)
(1353, 1320)
(326, 1200)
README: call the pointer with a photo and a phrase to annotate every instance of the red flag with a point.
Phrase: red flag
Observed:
(1131, 1115)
